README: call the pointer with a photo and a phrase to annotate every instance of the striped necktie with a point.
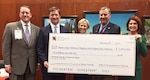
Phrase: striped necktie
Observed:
(102, 30)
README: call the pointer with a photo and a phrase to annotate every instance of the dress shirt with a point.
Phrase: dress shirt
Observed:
(53, 29)
(24, 27)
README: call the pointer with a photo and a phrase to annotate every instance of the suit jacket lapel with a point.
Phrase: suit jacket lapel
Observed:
(32, 35)
(23, 34)
(47, 31)
(61, 29)
(97, 28)
(108, 28)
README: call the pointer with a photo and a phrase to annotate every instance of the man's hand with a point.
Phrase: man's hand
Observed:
(8, 68)
(45, 64)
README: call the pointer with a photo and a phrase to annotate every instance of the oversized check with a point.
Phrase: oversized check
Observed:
(92, 54)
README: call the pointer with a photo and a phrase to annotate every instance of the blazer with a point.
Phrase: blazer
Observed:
(110, 29)
(42, 46)
(17, 52)
(141, 51)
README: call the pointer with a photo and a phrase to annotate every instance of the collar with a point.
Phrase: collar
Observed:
(52, 25)
(23, 23)
(105, 25)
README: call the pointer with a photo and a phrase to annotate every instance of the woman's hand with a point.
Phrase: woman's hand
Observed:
(138, 37)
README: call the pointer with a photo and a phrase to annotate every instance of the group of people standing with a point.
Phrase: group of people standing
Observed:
(25, 45)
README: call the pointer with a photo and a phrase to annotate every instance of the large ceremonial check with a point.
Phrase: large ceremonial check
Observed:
(94, 54)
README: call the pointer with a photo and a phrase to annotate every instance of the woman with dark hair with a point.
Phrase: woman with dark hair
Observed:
(134, 26)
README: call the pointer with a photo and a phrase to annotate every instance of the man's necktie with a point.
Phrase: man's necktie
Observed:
(27, 33)
(102, 30)
(55, 29)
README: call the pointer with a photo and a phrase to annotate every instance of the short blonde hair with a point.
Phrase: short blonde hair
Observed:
(84, 20)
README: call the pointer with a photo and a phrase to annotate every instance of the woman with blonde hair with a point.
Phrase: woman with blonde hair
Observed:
(83, 25)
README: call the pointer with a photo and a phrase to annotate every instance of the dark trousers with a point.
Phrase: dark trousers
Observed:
(26, 76)
(82, 77)
(52, 76)
(104, 78)
(138, 76)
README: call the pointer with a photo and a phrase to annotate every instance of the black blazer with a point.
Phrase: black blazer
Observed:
(110, 29)
(42, 45)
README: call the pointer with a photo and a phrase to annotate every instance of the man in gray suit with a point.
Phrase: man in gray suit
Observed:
(19, 47)
(105, 27)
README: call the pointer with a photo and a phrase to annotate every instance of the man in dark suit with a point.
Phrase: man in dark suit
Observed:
(43, 41)
(19, 47)
(105, 27)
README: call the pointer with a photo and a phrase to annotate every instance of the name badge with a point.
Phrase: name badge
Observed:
(18, 34)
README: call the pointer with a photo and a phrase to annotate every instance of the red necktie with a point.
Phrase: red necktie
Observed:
(102, 30)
